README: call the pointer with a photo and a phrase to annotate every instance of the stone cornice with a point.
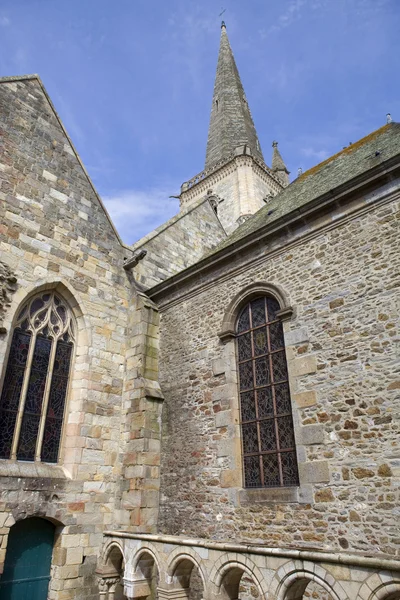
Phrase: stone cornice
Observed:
(207, 178)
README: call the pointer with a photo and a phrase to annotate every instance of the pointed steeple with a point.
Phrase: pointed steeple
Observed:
(278, 166)
(231, 124)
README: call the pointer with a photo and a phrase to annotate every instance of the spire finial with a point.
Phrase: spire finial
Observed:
(223, 26)
(274, 144)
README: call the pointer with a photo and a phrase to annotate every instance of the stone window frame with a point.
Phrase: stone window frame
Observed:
(35, 327)
(303, 493)
(66, 466)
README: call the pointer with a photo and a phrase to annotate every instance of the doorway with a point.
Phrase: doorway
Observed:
(26, 573)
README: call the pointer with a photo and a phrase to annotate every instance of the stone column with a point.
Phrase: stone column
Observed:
(107, 585)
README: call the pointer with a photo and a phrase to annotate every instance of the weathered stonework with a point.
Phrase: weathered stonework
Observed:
(344, 395)
(8, 286)
(56, 235)
(229, 571)
(151, 450)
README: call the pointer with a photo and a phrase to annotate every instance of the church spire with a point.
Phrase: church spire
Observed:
(231, 124)
(278, 166)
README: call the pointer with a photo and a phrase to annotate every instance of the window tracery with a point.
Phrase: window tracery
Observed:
(269, 453)
(36, 380)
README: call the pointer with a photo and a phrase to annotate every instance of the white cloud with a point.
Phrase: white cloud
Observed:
(137, 212)
(4, 22)
(313, 153)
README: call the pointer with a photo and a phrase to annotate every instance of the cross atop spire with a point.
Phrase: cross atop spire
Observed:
(231, 124)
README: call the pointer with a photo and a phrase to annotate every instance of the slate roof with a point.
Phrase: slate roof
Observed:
(323, 178)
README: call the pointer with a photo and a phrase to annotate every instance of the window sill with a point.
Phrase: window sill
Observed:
(13, 468)
(267, 495)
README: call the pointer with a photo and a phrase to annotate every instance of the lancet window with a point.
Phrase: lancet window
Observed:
(268, 444)
(35, 384)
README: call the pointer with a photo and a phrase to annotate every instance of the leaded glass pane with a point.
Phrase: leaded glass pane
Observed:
(246, 375)
(244, 320)
(258, 312)
(12, 387)
(271, 470)
(265, 404)
(7, 421)
(34, 398)
(250, 438)
(260, 341)
(267, 435)
(282, 399)
(244, 346)
(285, 432)
(247, 406)
(262, 371)
(289, 468)
(55, 409)
(272, 308)
(279, 369)
(267, 425)
(276, 336)
(252, 474)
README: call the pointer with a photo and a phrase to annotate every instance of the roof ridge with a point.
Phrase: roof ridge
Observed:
(9, 78)
(347, 150)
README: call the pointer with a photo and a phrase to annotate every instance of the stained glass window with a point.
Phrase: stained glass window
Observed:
(35, 385)
(269, 453)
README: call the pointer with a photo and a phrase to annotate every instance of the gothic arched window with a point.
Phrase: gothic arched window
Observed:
(269, 453)
(36, 380)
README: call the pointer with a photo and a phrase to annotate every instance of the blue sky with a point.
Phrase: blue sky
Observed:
(132, 81)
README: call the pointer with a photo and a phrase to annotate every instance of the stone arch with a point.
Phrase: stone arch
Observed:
(250, 292)
(114, 555)
(181, 565)
(145, 572)
(383, 586)
(111, 572)
(185, 570)
(142, 556)
(67, 292)
(292, 579)
(226, 575)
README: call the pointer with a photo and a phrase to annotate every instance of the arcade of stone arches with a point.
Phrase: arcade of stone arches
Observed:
(171, 568)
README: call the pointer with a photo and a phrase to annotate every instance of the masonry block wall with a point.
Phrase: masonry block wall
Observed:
(342, 360)
(177, 244)
(240, 183)
(55, 235)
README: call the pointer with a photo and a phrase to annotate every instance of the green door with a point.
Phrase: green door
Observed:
(27, 568)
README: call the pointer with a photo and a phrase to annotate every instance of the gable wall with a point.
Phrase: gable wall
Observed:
(54, 233)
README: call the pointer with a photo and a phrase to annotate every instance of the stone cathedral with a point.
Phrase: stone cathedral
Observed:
(212, 413)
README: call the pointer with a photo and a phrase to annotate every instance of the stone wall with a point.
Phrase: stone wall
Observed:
(241, 183)
(8, 286)
(56, 235)
(341, 347)
(177, 244)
